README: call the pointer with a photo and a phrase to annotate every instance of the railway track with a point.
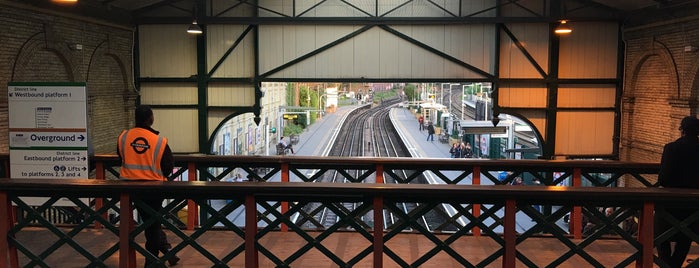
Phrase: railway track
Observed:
(366, 132)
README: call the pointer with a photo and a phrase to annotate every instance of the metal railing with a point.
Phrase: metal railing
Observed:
(480, 202)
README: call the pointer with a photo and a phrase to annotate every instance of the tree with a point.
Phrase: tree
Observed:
(410, 92)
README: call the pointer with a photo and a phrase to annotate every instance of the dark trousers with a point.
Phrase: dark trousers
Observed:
(674, 257)
(154, 230)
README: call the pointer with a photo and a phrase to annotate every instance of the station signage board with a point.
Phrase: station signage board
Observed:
(48, 130)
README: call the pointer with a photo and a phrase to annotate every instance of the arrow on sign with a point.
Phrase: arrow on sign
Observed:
(81, 137)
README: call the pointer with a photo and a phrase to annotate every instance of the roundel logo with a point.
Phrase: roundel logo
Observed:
(140, 145)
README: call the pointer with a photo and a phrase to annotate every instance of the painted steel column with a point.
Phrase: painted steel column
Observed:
(548, 146)
(379, 173)
(620, 91)
(202, 93)
(257, 107)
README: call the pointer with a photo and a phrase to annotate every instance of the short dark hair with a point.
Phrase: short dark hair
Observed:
(143, 114)
(690, 125)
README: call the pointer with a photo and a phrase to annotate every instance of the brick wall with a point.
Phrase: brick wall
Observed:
(659, 86)
(40, 47)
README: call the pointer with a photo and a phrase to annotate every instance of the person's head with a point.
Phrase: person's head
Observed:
(690, 125)
(144, 116)
(282, 138)
(609, 211)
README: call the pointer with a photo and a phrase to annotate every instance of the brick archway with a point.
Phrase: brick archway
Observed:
(110, 94)
(645, 105)
(38, 44)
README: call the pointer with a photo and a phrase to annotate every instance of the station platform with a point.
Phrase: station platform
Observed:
(408, 127)
(317, 138)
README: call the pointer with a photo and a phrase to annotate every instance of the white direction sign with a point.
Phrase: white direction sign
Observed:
(48, 130)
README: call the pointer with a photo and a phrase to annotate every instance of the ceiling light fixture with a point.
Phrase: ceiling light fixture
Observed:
(194, 28)
(64, 1)
(563, 28)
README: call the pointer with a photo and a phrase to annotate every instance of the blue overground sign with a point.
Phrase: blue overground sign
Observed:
(48, 130)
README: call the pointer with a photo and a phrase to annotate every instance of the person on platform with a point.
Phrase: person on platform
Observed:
(286, 145)
(421, 122)
(455, 150)
(146, 156)
(430, 132)
(679, 167)
(466, 150)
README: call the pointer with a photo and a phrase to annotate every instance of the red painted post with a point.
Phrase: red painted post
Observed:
(476, 207)
(99, 202)
(285, 204)
(379, 173)
(9, 215)
(192, 208)
(4, 227)
(378, 232)
(14, 258)
(575, 220)
(646, 235)
(127, 254)
(510, 234)
(251, 260)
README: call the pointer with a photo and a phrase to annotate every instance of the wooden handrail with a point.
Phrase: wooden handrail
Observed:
(257, 192)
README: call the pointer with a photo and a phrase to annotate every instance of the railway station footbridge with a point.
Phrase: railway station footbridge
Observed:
(473, 214)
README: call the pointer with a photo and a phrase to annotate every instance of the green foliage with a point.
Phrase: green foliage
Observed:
(382, 95)
(292, 129)
(290, 94)
(410, 92)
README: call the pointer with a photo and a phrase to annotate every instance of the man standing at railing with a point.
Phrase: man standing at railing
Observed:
(679, 167)
(146, 156)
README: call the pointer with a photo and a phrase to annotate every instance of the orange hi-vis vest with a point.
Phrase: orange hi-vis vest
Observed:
(141, 152)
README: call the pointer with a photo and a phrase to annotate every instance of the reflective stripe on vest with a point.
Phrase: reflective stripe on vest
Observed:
(140, 160)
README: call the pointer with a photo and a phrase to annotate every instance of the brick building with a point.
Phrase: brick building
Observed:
(660, 82)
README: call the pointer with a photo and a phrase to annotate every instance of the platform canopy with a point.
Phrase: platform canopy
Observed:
(481, 127)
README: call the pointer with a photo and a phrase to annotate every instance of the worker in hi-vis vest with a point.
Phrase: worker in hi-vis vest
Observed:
(146, 156)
